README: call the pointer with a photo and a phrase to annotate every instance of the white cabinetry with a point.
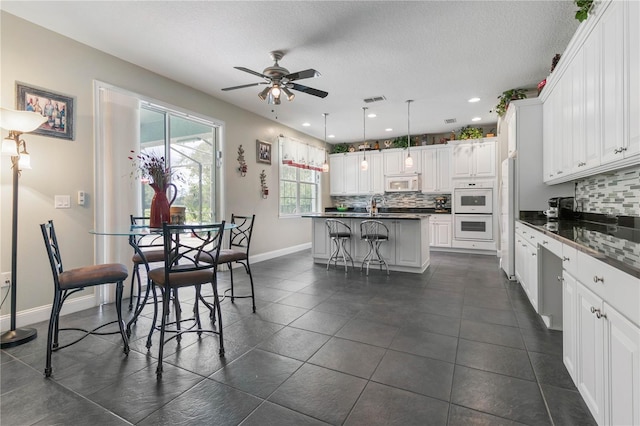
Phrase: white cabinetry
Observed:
(436, 169)
(569, 342)
(526, 252)
(591, 102)
(440, 230)
(370, 181)
(336, 174)
(394, 161)
(474, 159)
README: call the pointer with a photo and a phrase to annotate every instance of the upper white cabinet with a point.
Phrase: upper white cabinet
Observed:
(474, 159)
(591, 102)
(336, 174)
(370, 181)
(394, 161)
(436, 169)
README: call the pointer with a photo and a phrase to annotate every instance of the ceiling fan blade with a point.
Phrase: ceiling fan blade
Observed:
(242, 86)
(309, 90)
(251, 72)
(310, 73)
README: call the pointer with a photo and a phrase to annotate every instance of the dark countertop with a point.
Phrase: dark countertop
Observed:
(405, 210)
(365, 215)
(615, 245)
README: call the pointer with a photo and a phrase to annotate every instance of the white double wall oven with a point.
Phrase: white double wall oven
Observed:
(473, 211)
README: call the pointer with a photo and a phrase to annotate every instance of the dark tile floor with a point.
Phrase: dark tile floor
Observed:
(457, 345)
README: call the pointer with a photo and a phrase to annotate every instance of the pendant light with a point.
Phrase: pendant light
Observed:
(408, 162)
(364, 165)
(325, 165)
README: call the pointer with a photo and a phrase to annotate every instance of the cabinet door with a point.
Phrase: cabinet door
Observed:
(430, 170)
(364, 176)
(321, 245)
(578, 153)
(393, 161)
(633, 77)
(569, 318)
(444, 170)
(612, 25)
(443, 234)
(592, 111)
(351, 174)
(532, 274)
(590, 349)
(548, 137)
(485, 159)
(520, 254)
(462, 157)
(622, 362)
(566, 157)
(377, 172)
(407, 242)
(336, 174)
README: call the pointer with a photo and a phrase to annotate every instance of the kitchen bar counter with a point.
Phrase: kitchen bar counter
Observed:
(365, 215)
(615, 245)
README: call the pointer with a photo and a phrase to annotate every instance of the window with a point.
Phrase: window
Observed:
(300, 165)
(189, 145)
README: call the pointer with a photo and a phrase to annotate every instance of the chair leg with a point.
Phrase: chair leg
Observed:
(253, 297)
(233, 299)
(178, 311)
(155, 315)
(125, 339)
(50, 334)
(216, 302)
(163, 323)
(196, 310)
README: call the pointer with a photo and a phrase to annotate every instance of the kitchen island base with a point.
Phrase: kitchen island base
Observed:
(406, 251)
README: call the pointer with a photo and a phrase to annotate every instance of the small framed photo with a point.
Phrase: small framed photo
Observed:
(56, 107)
(263, 151)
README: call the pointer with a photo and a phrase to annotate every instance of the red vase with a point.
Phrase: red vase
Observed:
(161, 206)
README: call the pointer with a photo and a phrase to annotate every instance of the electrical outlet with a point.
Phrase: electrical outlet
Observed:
(5, 280)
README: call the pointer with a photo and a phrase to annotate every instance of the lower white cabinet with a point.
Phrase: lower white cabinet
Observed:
(526, 252)
(440, 230)
(601, 350)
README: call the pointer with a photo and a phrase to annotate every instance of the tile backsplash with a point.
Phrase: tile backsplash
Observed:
(611, 193)
(397, 200)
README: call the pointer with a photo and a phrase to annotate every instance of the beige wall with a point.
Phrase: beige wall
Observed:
(41, 58)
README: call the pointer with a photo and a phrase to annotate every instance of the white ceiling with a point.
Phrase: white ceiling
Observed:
(438, 53)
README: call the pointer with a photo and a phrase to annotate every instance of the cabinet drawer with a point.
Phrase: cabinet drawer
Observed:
(551, 244)
(617, 288)
(569, 260)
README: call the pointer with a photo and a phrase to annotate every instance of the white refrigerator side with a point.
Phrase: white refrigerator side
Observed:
(507, 218)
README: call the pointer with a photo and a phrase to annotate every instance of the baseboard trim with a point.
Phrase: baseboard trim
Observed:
(42, 313)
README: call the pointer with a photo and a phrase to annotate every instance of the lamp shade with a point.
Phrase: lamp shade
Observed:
(21, 121)
(9, 147)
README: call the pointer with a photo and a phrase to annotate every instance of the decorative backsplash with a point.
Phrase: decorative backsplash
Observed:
(611, 193)
(398, 200)
(623, 250)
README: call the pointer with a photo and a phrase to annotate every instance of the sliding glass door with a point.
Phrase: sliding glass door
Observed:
(189, 146)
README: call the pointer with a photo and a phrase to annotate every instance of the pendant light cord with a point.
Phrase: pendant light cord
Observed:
(364, 133)
(409, 127)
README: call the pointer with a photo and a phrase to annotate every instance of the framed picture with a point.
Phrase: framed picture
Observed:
(263, 151)
(56, 107)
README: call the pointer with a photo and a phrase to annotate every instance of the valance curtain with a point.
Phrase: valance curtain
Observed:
(295, 153)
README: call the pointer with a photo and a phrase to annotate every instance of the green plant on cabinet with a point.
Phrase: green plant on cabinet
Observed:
(508, 96)
(468, 132)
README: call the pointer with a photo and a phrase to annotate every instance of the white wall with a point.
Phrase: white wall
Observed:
(41, 58)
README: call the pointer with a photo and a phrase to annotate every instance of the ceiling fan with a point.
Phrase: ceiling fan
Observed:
(280, 80)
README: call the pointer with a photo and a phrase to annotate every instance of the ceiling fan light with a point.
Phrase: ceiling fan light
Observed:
(263, 95)
(289, 94)
(275, 91)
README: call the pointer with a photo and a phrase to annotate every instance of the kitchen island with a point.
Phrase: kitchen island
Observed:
(406, 251)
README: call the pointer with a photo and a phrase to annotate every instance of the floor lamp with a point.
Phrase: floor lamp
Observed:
(17, 123)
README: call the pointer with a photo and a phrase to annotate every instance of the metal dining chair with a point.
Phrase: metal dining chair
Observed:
(66, 283)
(185, 247)
(374, 233)
(152, 247)
(339, 234)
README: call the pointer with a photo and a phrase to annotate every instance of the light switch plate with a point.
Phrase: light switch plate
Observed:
(62, 201)
(81, 197)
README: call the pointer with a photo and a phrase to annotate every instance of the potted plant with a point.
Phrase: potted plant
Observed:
(468, 132)
(584, 7)
(508, 96)
(340, 148)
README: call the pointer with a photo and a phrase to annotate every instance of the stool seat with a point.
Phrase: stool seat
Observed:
(152, 256)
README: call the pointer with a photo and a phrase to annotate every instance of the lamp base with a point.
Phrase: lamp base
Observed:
(17, 337)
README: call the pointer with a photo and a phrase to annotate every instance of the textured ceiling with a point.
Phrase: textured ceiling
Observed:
(438, 53)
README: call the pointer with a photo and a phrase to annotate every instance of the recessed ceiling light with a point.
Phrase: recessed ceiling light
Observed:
(388, 130)
(372, 115)
(331, 136)
(474, 100)
(476, 119)
(306, 124)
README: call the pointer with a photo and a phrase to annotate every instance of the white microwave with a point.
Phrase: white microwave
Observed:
(403, 183)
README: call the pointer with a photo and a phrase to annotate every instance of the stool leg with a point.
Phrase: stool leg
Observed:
(381, 260)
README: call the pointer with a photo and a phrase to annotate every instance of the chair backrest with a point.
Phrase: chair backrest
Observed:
(338, 228)
(145, 241)
(53, 250)
(186, 245)
(373, 230)
(240, 236)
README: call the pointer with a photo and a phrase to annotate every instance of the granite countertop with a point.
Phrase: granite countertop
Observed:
(365, 215)
(618, 246)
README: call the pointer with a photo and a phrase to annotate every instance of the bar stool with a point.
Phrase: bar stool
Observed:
(374, 233)
(340, 233)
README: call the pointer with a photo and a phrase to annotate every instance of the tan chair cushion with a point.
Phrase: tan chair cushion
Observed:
(151, 255)
(182, 279)
(228, 255)
(92, 275)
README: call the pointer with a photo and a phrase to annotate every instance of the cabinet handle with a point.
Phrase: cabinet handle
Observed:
(559, 172)
(598, 313)
(565, 259)
(532, 237)
(545, 242)
(620, 150)
(533, 254)
(560, 278)
(597, 278)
